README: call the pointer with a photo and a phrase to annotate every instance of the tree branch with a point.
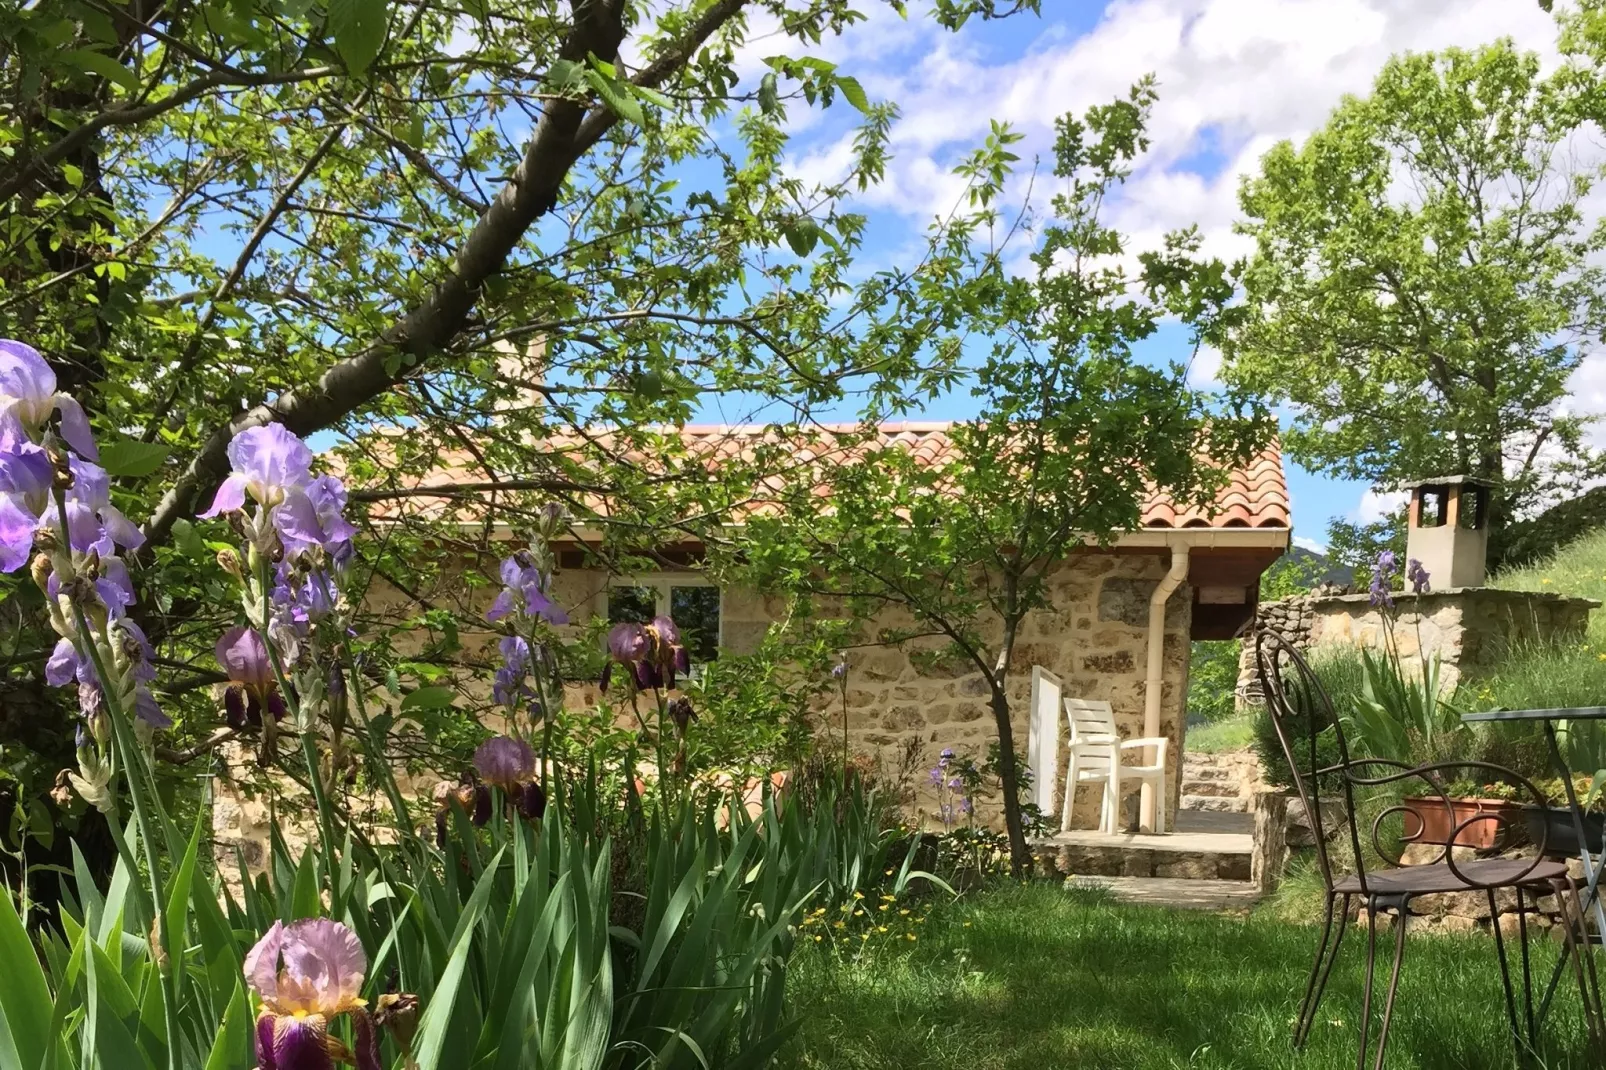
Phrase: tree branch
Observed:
(565, 132)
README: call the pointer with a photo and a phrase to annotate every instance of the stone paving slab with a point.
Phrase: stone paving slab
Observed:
(1178, 893)
(1215, 843)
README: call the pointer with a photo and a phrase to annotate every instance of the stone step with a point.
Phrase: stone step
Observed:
(1221, 788)
(1173, 892)
(1205, 772)
(1216, 804)
(1180, 856)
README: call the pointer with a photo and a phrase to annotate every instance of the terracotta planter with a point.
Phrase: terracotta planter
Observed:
(1433, 819)
(1562, 841)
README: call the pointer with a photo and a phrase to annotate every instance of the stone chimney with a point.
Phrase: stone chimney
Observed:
(1448, 530)
(523, 363)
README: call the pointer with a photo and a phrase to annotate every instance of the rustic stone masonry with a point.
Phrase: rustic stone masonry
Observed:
(1094, 638)
(1468, 628)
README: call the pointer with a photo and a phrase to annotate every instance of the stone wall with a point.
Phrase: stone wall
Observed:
(910, 696)
(1290, 618)
(1095, 640)
(1469, 628)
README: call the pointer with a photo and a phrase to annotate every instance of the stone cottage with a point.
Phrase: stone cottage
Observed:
(1119, 629)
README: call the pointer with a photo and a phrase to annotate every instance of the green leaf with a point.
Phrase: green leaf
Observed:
(103, 65)
(359, 28)
(189, 543)
(24, 997)
(801, 236)
(429, 698)
(305, 901)
(128, 457)
(232, 1050)
(616, 95)
(432, 1027)
(73, 174)
(853, 93)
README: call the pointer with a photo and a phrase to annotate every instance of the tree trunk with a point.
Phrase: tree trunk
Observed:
(1020, 856)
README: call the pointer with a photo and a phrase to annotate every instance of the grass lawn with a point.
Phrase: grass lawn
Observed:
(1233, 733)
(1037, 978)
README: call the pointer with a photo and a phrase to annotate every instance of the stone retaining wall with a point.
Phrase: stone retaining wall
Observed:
(1467, 627)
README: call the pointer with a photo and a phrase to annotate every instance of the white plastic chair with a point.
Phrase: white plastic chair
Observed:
(1098, 753)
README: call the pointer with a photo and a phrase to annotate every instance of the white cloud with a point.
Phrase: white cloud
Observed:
(1204, 372)
(1312, 545)
(1235, 76)
(1377, 504)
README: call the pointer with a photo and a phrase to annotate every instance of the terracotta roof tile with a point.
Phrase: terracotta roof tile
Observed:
(1255, 497)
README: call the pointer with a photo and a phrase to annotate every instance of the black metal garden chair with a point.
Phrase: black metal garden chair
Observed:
(1303, 713)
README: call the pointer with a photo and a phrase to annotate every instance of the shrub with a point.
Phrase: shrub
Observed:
(1341, 673)
(1212, 680)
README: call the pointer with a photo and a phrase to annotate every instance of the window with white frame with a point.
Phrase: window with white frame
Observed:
(691, 602)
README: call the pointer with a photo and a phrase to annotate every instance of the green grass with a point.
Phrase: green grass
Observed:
(1577, 569)
(1037, 978)
(1235, 733)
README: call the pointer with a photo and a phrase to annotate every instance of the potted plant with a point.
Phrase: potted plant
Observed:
(1553, 825)
(1485, 814)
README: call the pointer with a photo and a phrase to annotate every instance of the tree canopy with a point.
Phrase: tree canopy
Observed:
(1073, 433)
(480, 224)
(1425, 279)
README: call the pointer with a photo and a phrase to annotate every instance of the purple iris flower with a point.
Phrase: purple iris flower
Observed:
(307, 974)
(303, 599)
(839, 671)
(24, 467)
(946, 757)
(28, 392)
(316, 517)
(1382, 581)
(665, 656)
(252, 685)
(628, 644)
(66, 667)
(25, 478)
(268, 464)
(936, 776)
(1418, 576)
(505, 762)
(509, 688)
(17, 526)
(93, 522)
(521, 579)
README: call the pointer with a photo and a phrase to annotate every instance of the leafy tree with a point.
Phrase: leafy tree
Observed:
(492, 227)
(1424, 281)
(1356, 546)
(1071, 434)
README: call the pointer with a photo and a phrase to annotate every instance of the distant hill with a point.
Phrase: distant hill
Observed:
(1299, 570)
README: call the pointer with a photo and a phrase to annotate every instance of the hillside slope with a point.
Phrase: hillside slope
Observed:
(1540, 677)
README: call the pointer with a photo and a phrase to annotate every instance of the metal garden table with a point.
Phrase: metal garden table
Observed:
(1593, 864)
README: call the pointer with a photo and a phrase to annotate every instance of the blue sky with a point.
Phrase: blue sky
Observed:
(1235, 77)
